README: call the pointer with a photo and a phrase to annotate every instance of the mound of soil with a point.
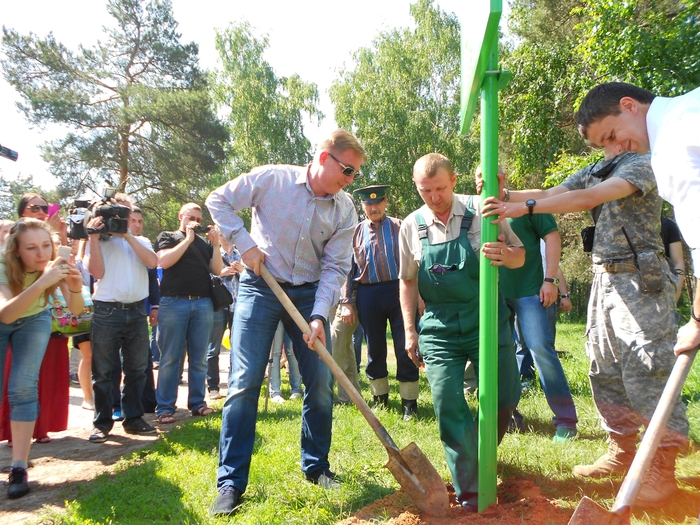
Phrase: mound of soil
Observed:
(520, 502)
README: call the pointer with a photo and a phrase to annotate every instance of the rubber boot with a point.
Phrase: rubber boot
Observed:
(410, 408)
(659, 483)
(381, 401)
(616, 461)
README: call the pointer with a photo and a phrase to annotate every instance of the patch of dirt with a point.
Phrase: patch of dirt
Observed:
(520, 502)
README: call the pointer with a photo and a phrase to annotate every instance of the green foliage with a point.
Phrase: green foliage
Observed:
(265, 113)
(136, 103)
(402, 99)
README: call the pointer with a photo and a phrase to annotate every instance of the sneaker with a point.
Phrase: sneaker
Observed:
(140, 427)
(215, 394)
(277, 398)
(74, 380)
(117, 415)
(296, 395)
(18, 484)
(564, 434)
(97, 436)
(323, 478)
(226, 501)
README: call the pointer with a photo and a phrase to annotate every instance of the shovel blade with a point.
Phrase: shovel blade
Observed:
(419, 480)
(589, 512)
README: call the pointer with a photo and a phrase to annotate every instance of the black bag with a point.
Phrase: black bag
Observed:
(587, 236)
(220, 296)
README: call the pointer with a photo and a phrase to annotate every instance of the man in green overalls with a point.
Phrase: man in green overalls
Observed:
(439, 245)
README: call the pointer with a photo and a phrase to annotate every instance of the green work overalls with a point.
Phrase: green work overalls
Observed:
(448, 281)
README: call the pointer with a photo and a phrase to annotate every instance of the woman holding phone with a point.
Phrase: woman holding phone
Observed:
(54, 377)
(30, 272)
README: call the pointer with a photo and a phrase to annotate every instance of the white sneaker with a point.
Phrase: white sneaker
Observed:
(277, 398)
(215, 394)
(296, 395)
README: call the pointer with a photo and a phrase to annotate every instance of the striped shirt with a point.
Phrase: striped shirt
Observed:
(304, 238)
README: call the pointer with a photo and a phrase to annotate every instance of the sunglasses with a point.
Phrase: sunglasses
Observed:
(36, 207)
(347, 170)
(439, 269)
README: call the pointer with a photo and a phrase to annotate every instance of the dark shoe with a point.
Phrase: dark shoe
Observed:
(469, 502)
(410, 408)
(18, 483)
(381, 401)
(117, 415)
(324, 478)
(140, 427)
(226, 501)
(98, 436)
(74, 380)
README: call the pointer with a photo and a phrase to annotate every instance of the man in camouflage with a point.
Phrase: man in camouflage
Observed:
(631, 314)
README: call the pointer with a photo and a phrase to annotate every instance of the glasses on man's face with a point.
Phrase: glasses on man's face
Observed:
(195, 219)
(348, 171)
(439, 269)
(36, 207)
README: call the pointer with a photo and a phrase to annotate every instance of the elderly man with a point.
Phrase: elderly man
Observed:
(631, 312)
(375, 276)
(633, 119)
(301, 229)
(440, 247)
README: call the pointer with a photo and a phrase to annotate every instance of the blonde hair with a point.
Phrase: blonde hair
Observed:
(14, 267)
(430, 164)
(341, 140)
(190, 206)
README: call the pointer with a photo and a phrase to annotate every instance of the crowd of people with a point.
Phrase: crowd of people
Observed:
(348, 278)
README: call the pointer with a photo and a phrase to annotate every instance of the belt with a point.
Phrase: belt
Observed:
(615, 267)
(192, 297)
(290, 286)
(120, 306)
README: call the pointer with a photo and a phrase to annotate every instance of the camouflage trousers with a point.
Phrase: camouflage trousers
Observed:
(631, 335)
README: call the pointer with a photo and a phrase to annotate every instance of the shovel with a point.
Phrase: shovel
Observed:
(588, 511)
(410, 466)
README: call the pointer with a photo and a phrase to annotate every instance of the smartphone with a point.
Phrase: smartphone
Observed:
(53, 209)
(65, 252)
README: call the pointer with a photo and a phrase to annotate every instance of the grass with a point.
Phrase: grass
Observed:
(173, 481)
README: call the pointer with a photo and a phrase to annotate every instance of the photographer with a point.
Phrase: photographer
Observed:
(120, 319)
(186, 312)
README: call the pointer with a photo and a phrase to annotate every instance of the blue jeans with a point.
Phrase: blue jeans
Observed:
(275, 376)
(537, 336)
(29, 337)
(217, 334)
(257, 314)
(114, 328)
(181, 321)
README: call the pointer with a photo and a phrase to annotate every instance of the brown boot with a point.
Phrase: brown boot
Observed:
(616, 461)
(659, 483)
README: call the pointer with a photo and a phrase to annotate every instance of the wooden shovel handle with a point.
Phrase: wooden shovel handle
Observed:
(327, 358)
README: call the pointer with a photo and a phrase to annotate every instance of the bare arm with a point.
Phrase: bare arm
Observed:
(170, 256)
(408, 296)
(216, 264)
(565, 304)
(552, 252)
(689, 335)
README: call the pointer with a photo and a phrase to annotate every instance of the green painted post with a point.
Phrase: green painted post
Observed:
(488, 295)
(480, 75)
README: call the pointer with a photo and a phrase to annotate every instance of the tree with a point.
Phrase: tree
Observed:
(402, 98)
(137, 106)
(265, 113)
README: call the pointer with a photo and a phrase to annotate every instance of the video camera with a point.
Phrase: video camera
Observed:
(115, 217)
(8, 153)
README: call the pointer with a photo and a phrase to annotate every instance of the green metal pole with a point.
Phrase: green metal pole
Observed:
(488, 293)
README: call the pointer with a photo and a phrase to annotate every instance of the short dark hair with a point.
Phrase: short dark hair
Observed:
(604, 100)
(24, 200)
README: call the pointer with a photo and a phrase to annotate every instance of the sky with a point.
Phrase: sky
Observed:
(313, 38)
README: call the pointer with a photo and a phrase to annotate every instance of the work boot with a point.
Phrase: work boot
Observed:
(381, 401)
(616, 461)
(410, 408)
(659, 483)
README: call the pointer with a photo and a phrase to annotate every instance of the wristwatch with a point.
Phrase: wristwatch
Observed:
(530, 203)
(565, 296)
(552, 280)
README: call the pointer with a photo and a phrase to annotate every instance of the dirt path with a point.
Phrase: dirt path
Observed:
(56, 468)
